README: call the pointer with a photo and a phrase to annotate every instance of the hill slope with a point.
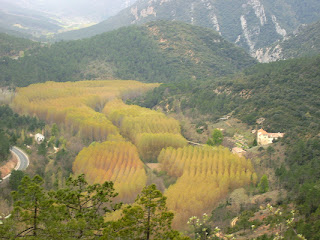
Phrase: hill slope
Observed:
(305, 42)
(276, 91)
(11, 46)
(251, 24)
(156, 52)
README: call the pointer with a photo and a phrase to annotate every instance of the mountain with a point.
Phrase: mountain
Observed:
(94, 11)
(156, 52)
(304, 42)
(251, 24)
(42, 18)
(22, 22)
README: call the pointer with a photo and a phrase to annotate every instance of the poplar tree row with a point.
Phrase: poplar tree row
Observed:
(205, 176)
(149, 130)
(73, 104)
(116, 161)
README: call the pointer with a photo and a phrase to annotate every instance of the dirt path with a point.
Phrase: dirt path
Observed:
(9, 166)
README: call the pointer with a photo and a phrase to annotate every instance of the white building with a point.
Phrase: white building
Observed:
(39, 138)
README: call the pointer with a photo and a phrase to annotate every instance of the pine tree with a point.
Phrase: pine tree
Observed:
(83, 206)
(146, 219)
(31, 206)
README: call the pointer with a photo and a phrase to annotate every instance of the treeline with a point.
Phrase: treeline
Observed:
(77, 211)
(205, 176)
(134, 52)
(72, 104)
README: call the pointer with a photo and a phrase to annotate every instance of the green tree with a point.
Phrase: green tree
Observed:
(146, 219)
(270, 151)
(254, 143)
(263, 185)
(76, 211)
(42, 149)
(216, 138)
(83, 207)
(244, 220)
(4, 146)
(7, 229)
(54, 130)
(15, 179)
(31, 206)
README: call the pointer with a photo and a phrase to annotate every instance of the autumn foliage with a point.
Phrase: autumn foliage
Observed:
(149, 130)
(74, 105)
(127, 133)
(116, 161)
(205, 176)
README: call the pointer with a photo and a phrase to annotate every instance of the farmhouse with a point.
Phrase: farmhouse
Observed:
(264, 138)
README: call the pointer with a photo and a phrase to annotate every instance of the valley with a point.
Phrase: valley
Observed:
(125, 137)
(201, 122)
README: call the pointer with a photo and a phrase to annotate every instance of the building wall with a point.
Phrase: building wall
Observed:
(264, 139)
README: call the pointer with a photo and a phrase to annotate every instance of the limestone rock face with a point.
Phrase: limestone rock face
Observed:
(251, 24)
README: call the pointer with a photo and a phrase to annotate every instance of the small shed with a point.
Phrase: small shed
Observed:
(39, 138)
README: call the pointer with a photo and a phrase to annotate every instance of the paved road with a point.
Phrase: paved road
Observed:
(23, 162)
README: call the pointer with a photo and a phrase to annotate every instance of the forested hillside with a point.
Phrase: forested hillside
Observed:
(156, 52)
(284, 96)
(304, 42)
(276, 91)
(11, 46)
(251, 24)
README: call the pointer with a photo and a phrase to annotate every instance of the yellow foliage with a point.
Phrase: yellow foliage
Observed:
(76, 106)
(116, 161)
(149, 130)
(73, 104)
(205, 176)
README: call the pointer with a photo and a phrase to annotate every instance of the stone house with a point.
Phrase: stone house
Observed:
(264, 138)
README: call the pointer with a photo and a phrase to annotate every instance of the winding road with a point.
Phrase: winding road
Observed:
(23, 163)
(23, 160)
